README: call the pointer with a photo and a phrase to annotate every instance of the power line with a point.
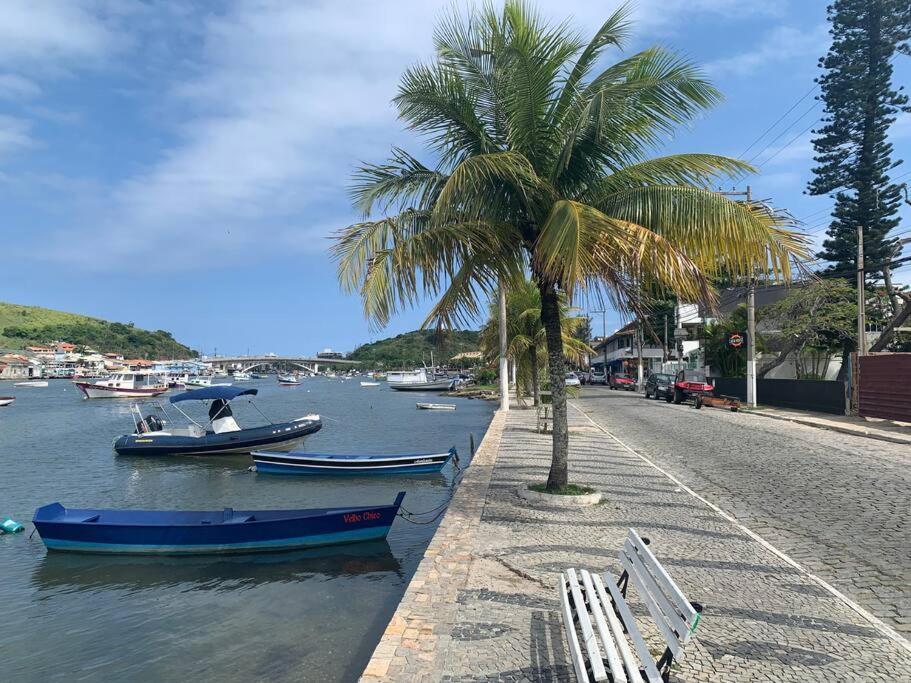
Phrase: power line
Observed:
(779, 119)
(790, 142)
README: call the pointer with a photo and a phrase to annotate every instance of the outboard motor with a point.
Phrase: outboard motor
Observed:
(151, 423)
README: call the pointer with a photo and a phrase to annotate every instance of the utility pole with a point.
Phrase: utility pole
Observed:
(504, 367)
(751, 317)
(664, 349)
(603, 336)
(861, 312)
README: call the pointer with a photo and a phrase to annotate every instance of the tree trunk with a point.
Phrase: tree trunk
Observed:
(550, 317)
(782, 356)
(889, 331)
(535, 379)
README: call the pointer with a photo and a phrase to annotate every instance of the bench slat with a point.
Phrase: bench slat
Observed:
(690, 615)
(571, 637)
(588, 634)
(629, 660)
(645, 656)
(597, 610)
(650, 598)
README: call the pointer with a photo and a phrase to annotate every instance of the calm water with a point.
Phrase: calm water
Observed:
(312, 615)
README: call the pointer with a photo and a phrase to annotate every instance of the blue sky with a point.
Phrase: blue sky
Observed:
(181, 165)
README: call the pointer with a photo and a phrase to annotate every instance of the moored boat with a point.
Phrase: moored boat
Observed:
(288, 380)
(200, 382)
(181, 532)
(435, 406)
(242, 377)
(296, 462)
(36, 383)
(370, 384)
(123, 385)
(418, 380)
(221, 435)
(6, 400)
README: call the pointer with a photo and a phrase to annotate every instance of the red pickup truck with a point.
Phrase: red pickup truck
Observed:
(689, 384)
(620, 380)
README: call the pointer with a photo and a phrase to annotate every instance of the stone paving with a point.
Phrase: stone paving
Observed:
(836, 503)
(482, 605)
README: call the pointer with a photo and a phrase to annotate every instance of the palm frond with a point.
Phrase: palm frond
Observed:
(396, 184)
(679, 169)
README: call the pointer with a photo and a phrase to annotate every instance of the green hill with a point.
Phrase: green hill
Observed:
(413, 348)
(22, 326)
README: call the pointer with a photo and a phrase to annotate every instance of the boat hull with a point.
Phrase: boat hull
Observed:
(6, 400)
(268, 462)
(145, 532)
(90, 390)
(437, 385)
(282, 436)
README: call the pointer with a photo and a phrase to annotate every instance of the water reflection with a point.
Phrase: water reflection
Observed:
(73, 572)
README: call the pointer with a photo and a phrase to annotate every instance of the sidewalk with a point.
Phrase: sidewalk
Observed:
(883, 430)
(482, 605)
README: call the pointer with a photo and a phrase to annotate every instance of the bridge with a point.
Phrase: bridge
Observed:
(247, 363)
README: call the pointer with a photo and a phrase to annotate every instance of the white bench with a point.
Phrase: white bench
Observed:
(601, 629)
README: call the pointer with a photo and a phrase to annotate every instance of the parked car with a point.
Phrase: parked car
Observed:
(620, 380)
(572, 380)
(658, 385)
(597, 377)
(689, 384)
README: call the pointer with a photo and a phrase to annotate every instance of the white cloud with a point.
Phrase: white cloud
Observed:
(14, 87)
(782, 44)
(14, 134)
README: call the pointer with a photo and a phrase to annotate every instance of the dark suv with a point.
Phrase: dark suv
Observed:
(659, 385)
(620, 380)
(688, 384)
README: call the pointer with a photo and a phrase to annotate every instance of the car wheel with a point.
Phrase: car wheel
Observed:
(697, 403)
(678, 396)
(667, 397)
(646, 394)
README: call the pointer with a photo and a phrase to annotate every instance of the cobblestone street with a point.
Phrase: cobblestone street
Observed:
(836, 503)
(483, 606)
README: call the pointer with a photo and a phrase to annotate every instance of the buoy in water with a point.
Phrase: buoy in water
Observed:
(11, 526)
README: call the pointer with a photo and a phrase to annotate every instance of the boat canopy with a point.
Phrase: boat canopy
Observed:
(227, 393)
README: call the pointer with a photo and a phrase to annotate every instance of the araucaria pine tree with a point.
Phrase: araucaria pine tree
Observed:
(853, 153)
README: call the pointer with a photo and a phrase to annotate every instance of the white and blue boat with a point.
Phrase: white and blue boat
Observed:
(158, 434)
(294, 462)
(176, 532)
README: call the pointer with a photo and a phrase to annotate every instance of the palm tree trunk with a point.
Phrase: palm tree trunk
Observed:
(553, 331)
(535, 380)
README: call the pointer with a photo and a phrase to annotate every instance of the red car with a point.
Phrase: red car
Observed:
(620, 380)
(689, 384)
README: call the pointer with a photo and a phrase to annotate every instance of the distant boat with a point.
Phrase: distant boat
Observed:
(6, 400)
(294, 462)
(435, 406)
(32, 383)
(187, 532)
(221, 435)
(288, 380)
(242, 377)
(370, 384)
(418, 380)
(203, 382)
(123, 385)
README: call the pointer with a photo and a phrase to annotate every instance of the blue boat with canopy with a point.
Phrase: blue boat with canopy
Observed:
(173, 532)
(159, 434)
(295, 462)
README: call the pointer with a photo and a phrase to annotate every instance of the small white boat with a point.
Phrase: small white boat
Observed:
(32, 383)
(6, 400)
(423, 379)
(123, 385)
(203, 382)
(242, 377)
(370, 384)
(435, 406)
(288, 380)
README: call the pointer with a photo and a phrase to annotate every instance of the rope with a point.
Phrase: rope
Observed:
(407, 515)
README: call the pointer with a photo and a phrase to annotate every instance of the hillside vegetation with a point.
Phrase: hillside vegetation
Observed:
(412, 348)
(22, 326)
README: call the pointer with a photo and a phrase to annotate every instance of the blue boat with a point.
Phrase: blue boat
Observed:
(294, 462)
(175, 532)
(221, 435)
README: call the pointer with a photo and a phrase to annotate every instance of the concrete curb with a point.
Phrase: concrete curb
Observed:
(582, 500)
(859, 431)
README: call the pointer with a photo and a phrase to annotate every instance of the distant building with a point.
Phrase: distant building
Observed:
(329, 354)
(14, 366)
(621, 354)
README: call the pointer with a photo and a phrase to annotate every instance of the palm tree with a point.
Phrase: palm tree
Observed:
(526, 336)
(542, 166)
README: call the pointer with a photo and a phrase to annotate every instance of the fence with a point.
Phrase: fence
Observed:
(883, 388)
(825, 396)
